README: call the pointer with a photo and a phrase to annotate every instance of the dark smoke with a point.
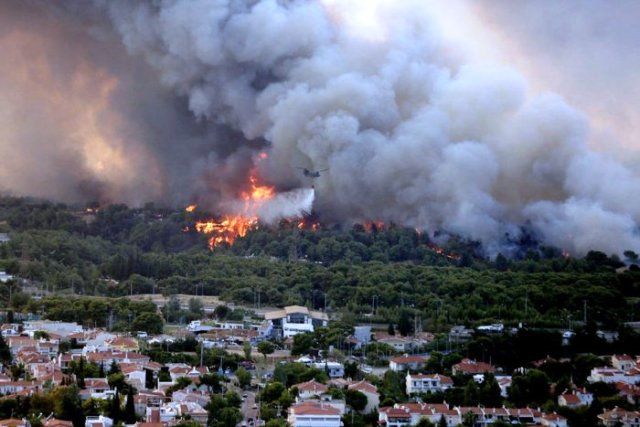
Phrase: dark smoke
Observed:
(172, 100)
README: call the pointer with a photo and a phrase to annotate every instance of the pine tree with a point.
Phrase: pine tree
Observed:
(114, 409)
(149, 381)
(471, 393)
(442, 422)
(129, 408)
(391, 330)
(490, 392)
(5, 352)
(101, 373)
(114, 368)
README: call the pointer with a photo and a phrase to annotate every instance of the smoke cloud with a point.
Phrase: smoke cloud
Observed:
(172, 100)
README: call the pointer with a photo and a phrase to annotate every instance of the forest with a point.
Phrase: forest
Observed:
(368, 271)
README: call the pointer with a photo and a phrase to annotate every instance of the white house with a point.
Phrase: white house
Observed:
(314, 414)
(613, 375)
(432, 383)
(624, 362)
(494, 328)
(310, 389)
(294, 319)
(4, 277)
(98, 421)
(575, 398)
(403, 363)
(620, 417)
(334, 369)
(362, 334)
(369, 390)
(553, 420)
(63, 329)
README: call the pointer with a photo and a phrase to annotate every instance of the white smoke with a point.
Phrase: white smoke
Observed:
(288, 204)
(411, 129)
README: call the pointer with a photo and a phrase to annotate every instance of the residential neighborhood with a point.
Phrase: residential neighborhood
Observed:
(250, 372)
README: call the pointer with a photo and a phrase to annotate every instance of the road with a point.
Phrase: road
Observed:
(248, 411)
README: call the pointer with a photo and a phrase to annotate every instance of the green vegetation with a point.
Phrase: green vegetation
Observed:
(118, 251)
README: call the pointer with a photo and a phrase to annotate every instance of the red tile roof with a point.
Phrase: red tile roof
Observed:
(314, 408)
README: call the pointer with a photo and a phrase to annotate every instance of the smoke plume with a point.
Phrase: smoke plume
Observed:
(172, 100)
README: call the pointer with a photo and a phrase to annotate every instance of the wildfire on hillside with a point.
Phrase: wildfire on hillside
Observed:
(231, 226)
(443, 252)
(370, 226)
(305, 224)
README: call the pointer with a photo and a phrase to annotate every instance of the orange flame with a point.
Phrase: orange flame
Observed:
(191, 208)
(441, 251)
(305, 225)
(370, 226)
(230, 227)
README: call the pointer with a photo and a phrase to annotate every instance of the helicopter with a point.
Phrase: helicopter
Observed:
(312, 174)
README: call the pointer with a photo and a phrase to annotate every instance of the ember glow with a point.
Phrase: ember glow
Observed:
(304, 224)
(191, 208)
(370, 226)
(441, 251)
(231, 226)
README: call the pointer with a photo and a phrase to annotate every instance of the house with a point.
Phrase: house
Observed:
(19, 343)
(504, 382)
(432, 383)
(310, 389)
(407, 362)
(472, 367)
(201, 397)
(48, 348)
(409, 414)
(630, 392)
(460, 333)
(294, 319)
(314, 414)
(362, 335)
(623, 362)
(121, 343)
(575, 398)
(618, 417)
(15, 422)
(553, 420)
(4, 277)
(369, 390)
(106, 358)
(148, 399)
(14, 387)
(613, 375)
(98, 421)
(333, 369)
(494, 328)
(4, 238)
(488, 416)
(394, 417)
(96, 388)
(63, 329)
(399, 344)
(171, 411)
(55, 422)
(135, 375)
